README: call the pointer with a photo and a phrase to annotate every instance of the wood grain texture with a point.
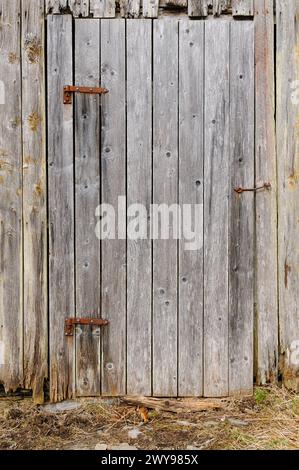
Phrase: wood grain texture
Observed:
(216, 210)
(191, 86)
(61, 206)
(102, 8)
(11, 269)
(55, 6)
(198, 8)
(34, 199)
(243, 7)
(241, 225)
(165, 191)
(87, 198)
(150, 8)
(79, 7)
(220, 6)
(287, 73)
(114, 185)
(129, 8)
(266, 316)
(139, 191)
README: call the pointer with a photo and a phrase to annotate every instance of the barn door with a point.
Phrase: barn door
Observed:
(177, 126)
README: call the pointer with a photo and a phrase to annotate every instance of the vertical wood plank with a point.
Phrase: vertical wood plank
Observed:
(220, 6)
(102, 8)
(216, 212)
(129, 8)
(243, 7)
(198, 8)
(11, 278)
(287, 73)
(150, 8)
(113, 185)
(165, 191)
(87, 198)
(79, 7)
(61, 205)
(241, 228)
(139, 191)
(266, 315)
(34, 199)
(191, 73)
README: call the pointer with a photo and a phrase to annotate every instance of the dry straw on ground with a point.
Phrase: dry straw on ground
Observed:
(269, 420)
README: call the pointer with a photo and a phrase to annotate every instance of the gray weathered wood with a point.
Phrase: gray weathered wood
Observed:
(102, 8)
(220, 6)
(55, 6)
(287, 73)
(11, 314)
(79, 7)
(139, 191)
(114, 185)
(129, 8)
(165, 187)
(243, 7)
(191, 72)
(241, 224)
(198, 8)
(266, 315)
(87, 198)
(34, 199)
(174, 3)
(216, 211)
(61, 205)
(150, 8)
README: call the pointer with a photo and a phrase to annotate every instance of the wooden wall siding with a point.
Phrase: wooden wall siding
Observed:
(266, 315)
(288, 179)
(61, 206)
(149, 8)
(34, 198)
(11, 272)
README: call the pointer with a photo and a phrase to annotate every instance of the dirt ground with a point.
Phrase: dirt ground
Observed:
(268, 420)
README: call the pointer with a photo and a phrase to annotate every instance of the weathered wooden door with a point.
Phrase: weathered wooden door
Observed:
(177, 126)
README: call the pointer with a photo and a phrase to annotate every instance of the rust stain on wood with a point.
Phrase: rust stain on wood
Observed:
(287, 271)
(293, 180)
(13, 58)
(33, 49)
(34, 121)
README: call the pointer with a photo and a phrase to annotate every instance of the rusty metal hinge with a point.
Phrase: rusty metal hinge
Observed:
(70, 323)
(69, 89)
(258, 188)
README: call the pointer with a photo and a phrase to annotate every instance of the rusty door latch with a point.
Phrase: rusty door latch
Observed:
(68, 90)
(258, 188)
(70, 323)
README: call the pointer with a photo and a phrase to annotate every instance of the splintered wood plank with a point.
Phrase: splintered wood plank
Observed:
(79, 7)
(150, 8)
(129, 8)
(216, 210)
(220, 6)
(287, 73)
(34, 199)
(114, 185)
(61, 205)
(187, 405)
(139, 191)
(266, 315)
(11, 308)
(102, 8)
(241, 226)
(191, 73)
(198, 8)
(244, 7)
(55, 6)
(165, 191)
(87, 198)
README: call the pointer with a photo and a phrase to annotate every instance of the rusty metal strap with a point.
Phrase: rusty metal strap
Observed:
(68, 90)
(70, 323)
(258, 188)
